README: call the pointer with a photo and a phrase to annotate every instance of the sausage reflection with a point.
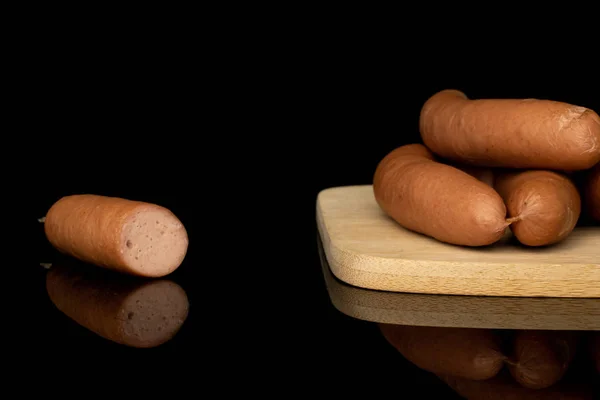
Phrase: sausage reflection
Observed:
(501, 364)
(503, 387)
(541, 358)
(468, 353)
(130, 311)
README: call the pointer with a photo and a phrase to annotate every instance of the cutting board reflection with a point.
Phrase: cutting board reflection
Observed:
(367, 249)
(483, 312)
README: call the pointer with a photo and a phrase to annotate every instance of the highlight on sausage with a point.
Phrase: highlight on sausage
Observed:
(438, 200)
(463, 352)
(592, 193)
(541, 358)
(127, 236)
(513, 133)
(131, 311)
(544, 206)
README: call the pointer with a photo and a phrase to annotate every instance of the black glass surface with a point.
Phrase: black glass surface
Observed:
(250, 310)
(540, 340)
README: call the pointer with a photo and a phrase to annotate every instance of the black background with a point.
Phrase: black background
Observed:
(237, 137)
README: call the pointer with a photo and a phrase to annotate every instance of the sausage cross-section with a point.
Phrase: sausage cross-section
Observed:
(127, 236)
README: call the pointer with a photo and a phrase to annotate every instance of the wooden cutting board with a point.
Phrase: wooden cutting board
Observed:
(482, 312)
(367, 249)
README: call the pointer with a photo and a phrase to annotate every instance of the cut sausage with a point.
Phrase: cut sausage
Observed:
(503, 387)
(127, 236)
(541, 358)
(123, 309)
(544, 206)
(464, 352)
(438, 200)
(592, 193)
(513, 133)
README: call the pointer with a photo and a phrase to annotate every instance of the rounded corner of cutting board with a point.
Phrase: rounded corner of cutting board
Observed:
(366, 249)
(355, 269)
(333, 192)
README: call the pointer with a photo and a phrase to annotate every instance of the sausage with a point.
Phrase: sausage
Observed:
(436, 199)
(131, 311)
(592, 193)
(544, 206)
(541, 358)
(485, 175)
(512, 133)
(463, 352)
(127, 236)
(503, 387)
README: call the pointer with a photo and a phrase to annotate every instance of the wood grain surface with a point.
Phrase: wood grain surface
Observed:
(484, 312)
(367, 249)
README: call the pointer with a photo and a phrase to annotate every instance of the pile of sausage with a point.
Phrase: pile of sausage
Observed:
(489, 164)
(126, 236)
(512, 364)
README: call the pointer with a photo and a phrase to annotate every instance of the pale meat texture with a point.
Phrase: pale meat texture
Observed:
(545, 205)
(438, 200)
(513, 133)
(130, 312)
(127, 236)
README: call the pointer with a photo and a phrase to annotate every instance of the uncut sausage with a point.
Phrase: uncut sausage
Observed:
(541, 358)
(513, 133)
(127, 310)
(438, 200)
(127, 236)
(503, 387)
(544, 206)
(463, 352)
(592, 193)
(485, 175)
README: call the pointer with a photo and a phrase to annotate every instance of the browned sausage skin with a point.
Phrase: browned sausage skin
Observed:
(513, 133)
(438, 200)
(127, 236)
(485, 175)
(544, 206)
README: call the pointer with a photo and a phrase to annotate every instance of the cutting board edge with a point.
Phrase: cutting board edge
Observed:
(362, 278)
